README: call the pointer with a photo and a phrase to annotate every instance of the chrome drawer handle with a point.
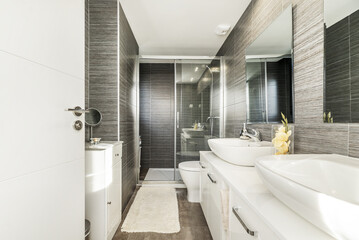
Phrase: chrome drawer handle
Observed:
(201, 164)
(210, 178)
(236, 213)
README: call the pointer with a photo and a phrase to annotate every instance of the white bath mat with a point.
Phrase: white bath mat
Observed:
(154, 209)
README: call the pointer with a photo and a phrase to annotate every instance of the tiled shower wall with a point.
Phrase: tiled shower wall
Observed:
(111, 82)
(157, 115)
(129, 132)
(311, 134)
(342, 75)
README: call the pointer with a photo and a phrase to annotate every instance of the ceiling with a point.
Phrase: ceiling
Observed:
(181, 27)
(335, 10)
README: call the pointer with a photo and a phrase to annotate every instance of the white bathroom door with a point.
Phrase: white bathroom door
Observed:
(41, 154)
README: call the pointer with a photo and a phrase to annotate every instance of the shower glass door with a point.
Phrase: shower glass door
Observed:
(198, 108)
(181, 103)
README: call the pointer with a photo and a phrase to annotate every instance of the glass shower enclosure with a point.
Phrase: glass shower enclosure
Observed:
(194, 104)
(198, 99)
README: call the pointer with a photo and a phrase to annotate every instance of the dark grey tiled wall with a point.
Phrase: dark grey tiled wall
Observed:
(193, 105)
(157, 115)
(115, 95)
(190, 104)
(87, 56)
(311, 134)
(279, 90)
(216, 98)
(128, 108)
(87, 62)
(341, 60)
(256, 95)
(103, 66)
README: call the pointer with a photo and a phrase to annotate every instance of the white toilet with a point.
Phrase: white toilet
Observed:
(190, 173)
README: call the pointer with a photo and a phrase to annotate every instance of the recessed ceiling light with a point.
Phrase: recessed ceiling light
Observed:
(196, 69)
(222, 29)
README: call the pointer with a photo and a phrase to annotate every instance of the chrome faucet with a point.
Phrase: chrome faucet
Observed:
(254, 135)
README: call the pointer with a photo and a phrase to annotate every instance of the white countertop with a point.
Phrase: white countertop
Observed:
(245, 182)
(103, 145)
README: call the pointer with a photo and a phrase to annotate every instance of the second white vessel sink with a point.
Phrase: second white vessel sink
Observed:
(240, 152)
(193, 133)
(323, 189)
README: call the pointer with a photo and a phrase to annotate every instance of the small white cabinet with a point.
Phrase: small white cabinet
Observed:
(211, 200)
(103, 189)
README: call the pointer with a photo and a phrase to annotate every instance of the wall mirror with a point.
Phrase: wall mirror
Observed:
(269, 73)
(93, 117)
(341, 57)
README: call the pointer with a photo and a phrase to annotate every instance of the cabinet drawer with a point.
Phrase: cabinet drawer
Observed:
(245, 224)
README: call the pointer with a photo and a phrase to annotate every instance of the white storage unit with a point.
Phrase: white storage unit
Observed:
(103, 189)
(252, 211)
(211, 199)
(245, 224)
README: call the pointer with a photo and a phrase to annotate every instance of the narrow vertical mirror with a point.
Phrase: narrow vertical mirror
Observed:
(341, 45)
(269, 73)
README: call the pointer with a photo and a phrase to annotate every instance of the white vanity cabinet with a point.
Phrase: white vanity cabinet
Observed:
(103, 198)
(252, 211)
(244, 223)
(211, 200)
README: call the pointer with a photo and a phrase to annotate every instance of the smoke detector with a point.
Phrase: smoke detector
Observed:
(222, 29)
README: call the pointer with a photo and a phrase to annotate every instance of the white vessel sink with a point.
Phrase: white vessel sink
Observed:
(323, 189)
(240, 152)
(193, 133)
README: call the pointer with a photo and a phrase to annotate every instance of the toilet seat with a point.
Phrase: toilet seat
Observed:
(192, 166)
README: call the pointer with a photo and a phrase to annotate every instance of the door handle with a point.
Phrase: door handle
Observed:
(236, 213)
(78, 111)
(211, 178)
(201, 164)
